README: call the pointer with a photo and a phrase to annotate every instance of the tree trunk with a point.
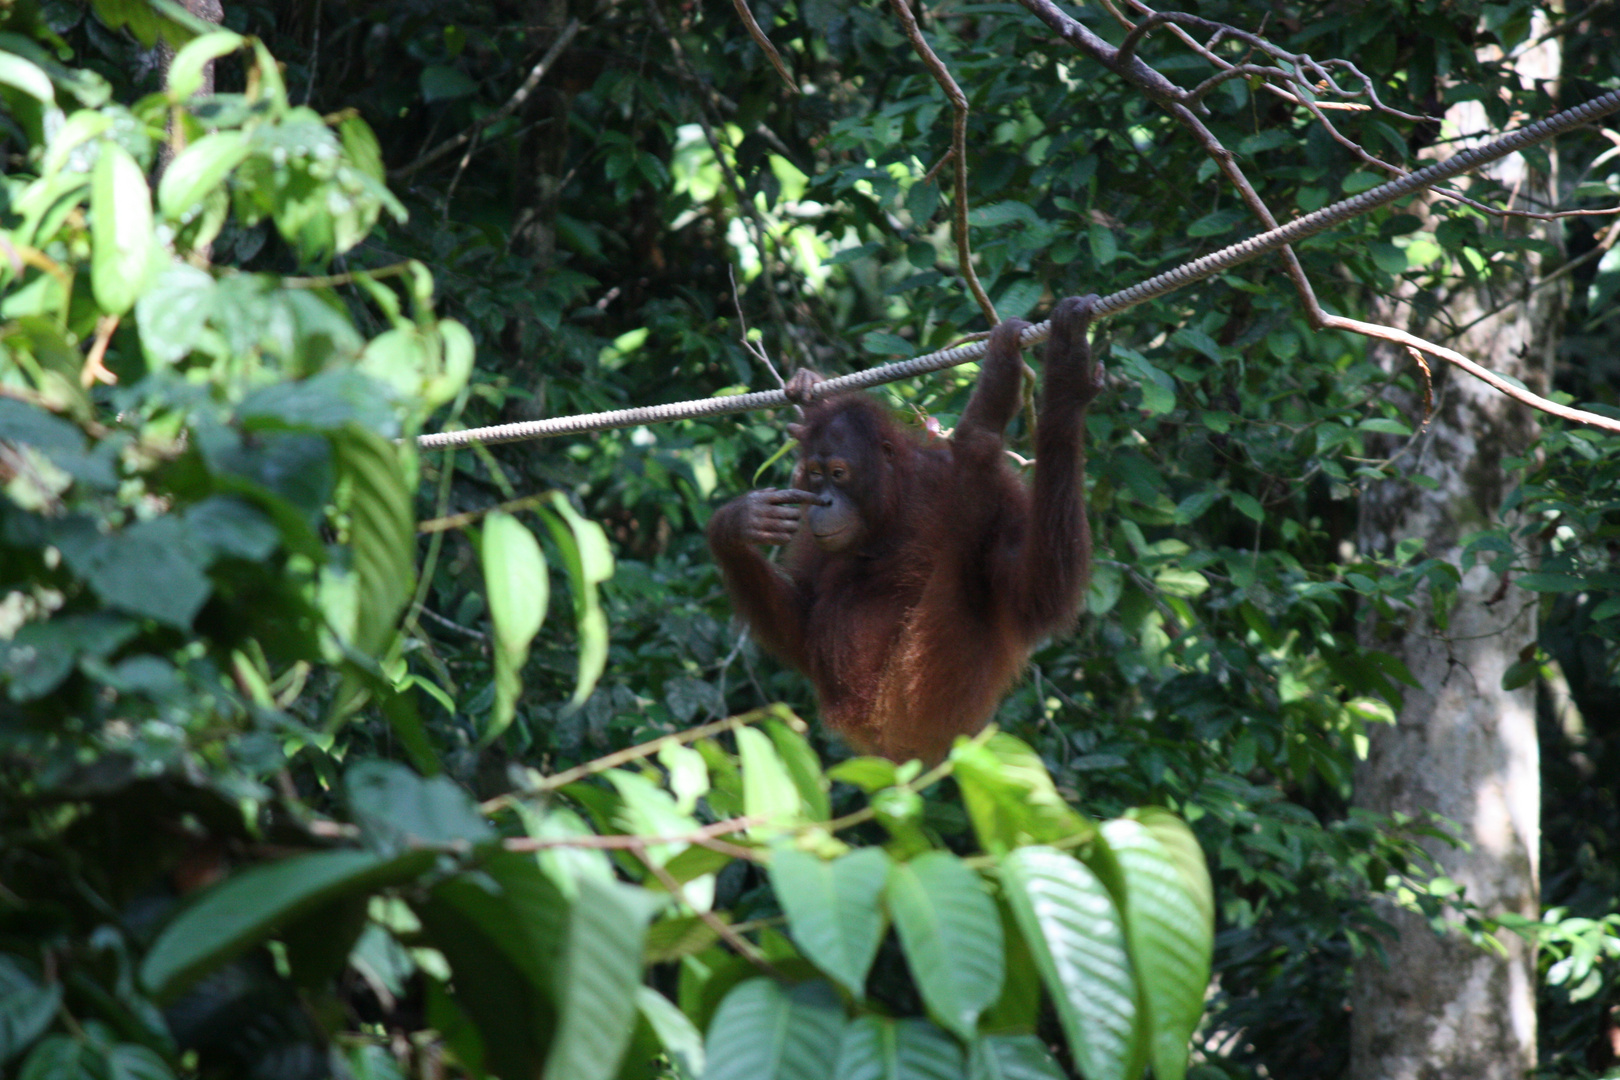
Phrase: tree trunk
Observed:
(1462, 747)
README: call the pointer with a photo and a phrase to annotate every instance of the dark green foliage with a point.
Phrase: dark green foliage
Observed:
(216, 622)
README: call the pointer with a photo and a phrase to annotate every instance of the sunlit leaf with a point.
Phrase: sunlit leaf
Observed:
(1169, 922)
(518, 589)
(120, 229)
(589, 561)
(186, 69)
(1077, 937)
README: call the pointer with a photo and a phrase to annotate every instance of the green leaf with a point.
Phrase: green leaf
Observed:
(1185, 583)
(833, 909)
(186, 69)
(1104, 248)
(763, 1032)
(1214, 224)
(26, 1008)
(244, 909)
(27, 77)
(382, 532)
(803, 766)
(395, 808)
(589, 561)
(1247, 505)
(441, 83)
(197, 170)
(58, 1057)
(1012, 1057)
(951, 935)
(645, 809)
(1070, 923)
(502, 929)
(877, 1048)
(1385, 426)
(1551, 582)
(1010, 796)
(173, 313)
(598, 975)
(867, 773)
(1171, 931)
(127, 1061)
(152, 568)
(681, 1039)
(120, 229)
(1183, 847)
(518, 589)
(768, 791)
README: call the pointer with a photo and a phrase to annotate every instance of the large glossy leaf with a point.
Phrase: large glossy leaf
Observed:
(1012, 1057)
(877, 1048)
(1011, 797)
(597, 979)
(1077, 937)
(502, 929)
(589, 561)
(120, 229)
(245, 909)
(681, 1040)
(763, 1032)
(518, 589)
(833, 909)
(951, 935)
(1168, 919)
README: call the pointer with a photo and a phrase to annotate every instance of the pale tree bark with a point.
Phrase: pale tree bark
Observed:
(1462, 746)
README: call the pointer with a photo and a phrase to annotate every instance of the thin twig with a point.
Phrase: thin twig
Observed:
(434, 616)
(647, 749)
(764, 43)
(519, 96)
(704, 836)
(959, 109)
(745, 948)
(1511, 389)
(93, 370)
(458, 521)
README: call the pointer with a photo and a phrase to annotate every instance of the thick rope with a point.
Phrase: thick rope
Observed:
(1113, 304)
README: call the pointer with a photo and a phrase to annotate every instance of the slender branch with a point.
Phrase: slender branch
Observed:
(742, 945)
(1511, 389)
(457, 521)
(519, 96)
(93, 370)
(764, 43)
(959, 109)
(704, 836)
(647, 749)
